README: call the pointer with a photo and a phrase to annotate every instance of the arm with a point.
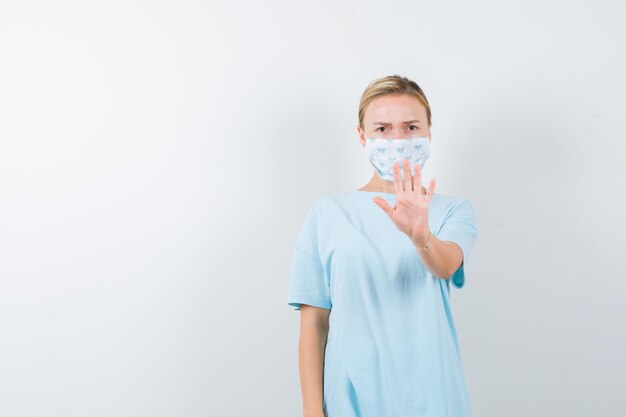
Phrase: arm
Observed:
(443, 257)
(314, 325)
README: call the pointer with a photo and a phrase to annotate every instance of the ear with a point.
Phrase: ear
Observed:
(361, 135)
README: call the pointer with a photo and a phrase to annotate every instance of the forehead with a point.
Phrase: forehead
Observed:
(394, 108)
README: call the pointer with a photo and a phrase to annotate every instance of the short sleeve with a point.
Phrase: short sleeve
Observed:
(460, 227)
(309, 284)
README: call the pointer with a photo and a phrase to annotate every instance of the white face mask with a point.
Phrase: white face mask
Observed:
(382, 152)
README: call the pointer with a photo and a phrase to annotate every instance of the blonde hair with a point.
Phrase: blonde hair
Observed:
(392, 84)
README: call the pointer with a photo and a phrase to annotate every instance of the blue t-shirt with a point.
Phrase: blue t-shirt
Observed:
(392, 348)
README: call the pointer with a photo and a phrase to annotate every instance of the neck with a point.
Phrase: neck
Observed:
(377, 184)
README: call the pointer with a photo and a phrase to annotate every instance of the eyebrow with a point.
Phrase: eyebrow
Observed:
(409, 121)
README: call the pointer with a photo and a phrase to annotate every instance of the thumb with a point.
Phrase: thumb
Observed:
(383, 204)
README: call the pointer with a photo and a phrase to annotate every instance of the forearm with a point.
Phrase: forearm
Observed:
(311, 361)
(442, 257)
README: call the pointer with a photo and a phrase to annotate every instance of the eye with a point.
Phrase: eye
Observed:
(414, 127)
(382, 127)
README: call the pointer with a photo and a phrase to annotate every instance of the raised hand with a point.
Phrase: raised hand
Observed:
(410, 214)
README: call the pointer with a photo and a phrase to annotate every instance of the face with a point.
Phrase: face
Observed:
(397, 116)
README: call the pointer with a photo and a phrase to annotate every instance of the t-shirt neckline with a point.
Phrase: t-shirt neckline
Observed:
(373, 192)
(377, 192)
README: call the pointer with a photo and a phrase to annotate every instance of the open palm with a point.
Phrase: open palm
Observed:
(410, 214)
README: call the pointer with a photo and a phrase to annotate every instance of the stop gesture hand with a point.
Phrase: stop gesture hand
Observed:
(410, 214)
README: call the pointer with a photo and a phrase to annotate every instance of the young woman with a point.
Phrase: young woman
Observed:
(371, 275)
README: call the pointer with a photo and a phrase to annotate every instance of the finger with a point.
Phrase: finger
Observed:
(383, 204)
(397, 182)
(431, 188)
(417, 178)
(408, 178)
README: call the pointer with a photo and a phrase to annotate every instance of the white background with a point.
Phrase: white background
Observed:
(157, 160)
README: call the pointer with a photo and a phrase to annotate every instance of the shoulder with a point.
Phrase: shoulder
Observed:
(320, 203)
(450, 202)
(453, 208)
(456, 212)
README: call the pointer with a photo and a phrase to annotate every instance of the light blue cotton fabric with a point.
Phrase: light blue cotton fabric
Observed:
(392, 348)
